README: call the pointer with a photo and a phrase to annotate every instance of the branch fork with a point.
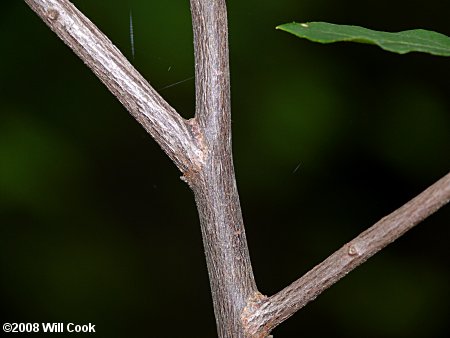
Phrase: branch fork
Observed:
(201, 149)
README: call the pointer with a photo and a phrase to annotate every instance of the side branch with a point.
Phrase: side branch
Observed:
(263, 317)
(176, 136)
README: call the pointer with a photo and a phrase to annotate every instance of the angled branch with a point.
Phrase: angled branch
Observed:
(201, 149)
(174, 134)
(263, 317)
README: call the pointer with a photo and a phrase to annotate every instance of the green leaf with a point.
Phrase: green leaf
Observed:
(416, 40)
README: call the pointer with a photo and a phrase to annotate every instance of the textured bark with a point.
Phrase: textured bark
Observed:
(216, 195)
(263, 317)
(201, 149)
(162, 122)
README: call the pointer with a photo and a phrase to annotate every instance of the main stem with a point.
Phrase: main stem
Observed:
(201, 148)
(216, 195)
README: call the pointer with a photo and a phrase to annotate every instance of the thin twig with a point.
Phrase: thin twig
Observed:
(263, 317)
(201, 148)
(162, 122)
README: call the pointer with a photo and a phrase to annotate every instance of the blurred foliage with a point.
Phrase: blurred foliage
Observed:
(95, 225)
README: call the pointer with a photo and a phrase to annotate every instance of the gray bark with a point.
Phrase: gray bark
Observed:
(215, 190)
(201, 149)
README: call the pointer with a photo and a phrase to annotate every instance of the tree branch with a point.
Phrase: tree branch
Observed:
(216, 195)
(261, 318)
(174, 134)
(201, 149)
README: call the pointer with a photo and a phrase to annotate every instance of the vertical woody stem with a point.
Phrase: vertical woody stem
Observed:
(227, 256)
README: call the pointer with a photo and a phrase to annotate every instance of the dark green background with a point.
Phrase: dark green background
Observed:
(96, 226)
